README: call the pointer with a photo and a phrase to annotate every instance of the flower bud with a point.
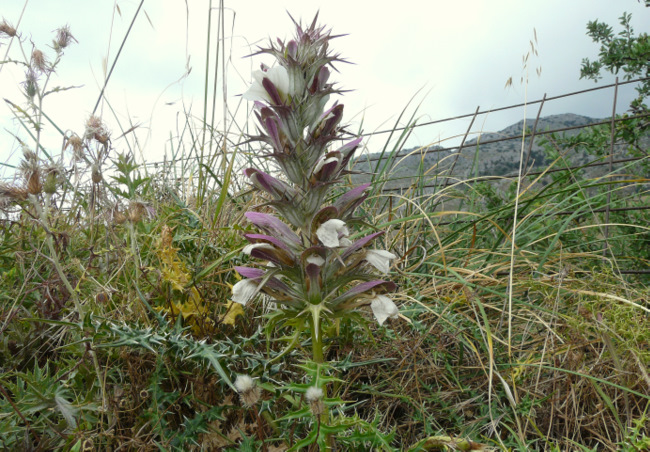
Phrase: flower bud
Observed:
(292, 49)
(96, 174)
(49, 186)
(31, 83)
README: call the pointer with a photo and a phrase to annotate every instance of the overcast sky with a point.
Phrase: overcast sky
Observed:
(451, 56)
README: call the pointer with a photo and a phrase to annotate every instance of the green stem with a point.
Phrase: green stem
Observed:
(317, 341)
(54, 258)
(318, 357)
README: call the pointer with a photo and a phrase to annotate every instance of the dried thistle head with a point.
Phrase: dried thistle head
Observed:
(63, 38)
(314, 396)
(249, 392)
(32, 173)
(29, 155)
(12, 192)
(76, 143)
(7, 29)
(118, 217)
(96, 174)
(137, 211)
(95, 129)
(38, 61)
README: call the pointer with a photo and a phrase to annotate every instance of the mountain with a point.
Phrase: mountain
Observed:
(481, 156)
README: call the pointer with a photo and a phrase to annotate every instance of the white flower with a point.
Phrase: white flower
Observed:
(243, 291)
(328, 232)
(313, 393)
(383, 308)
(248, 248)
(344, 241)
(277, 75)
(244, 383)
(322, 162)
(379, 259)
(315, 259)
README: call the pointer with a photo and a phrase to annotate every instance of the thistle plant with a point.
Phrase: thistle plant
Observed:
(314, 272)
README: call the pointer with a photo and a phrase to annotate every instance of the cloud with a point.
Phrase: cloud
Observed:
(459, 54)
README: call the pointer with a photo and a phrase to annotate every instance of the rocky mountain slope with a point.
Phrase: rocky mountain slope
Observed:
(485, 155)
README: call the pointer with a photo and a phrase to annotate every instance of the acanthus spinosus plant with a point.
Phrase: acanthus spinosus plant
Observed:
(311, 268)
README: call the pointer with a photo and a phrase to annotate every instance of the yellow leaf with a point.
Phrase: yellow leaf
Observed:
(234, 309)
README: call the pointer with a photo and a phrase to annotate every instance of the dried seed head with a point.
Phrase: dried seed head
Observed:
(12, 193)
(32, 174)
(7, 29)
(136, 211)
(314, 393)
(118, 217)
(63, 38)
(29, 155)
(249, 392)
(95, 129)
(34, 184)
(101, 298)
(314, 396)
(96, 174)
(38, 61)
(77, 145)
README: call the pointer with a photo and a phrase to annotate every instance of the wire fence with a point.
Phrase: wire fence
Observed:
(418, 183)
